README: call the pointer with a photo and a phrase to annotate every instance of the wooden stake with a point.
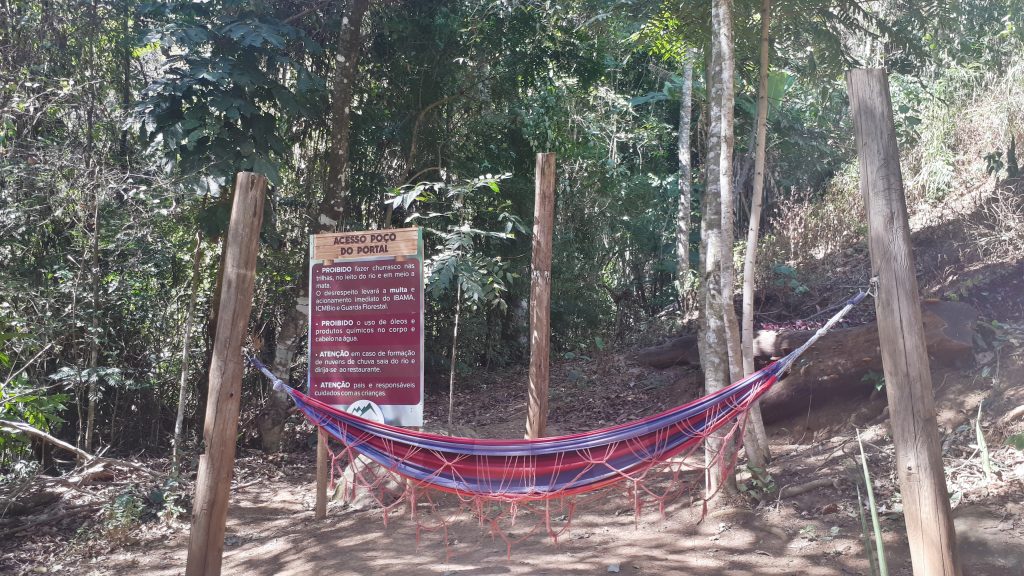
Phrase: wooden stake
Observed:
(322, 471)
(908, 382)
(540, 296)
(216, 465)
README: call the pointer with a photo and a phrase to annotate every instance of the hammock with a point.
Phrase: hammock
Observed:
(546, 468)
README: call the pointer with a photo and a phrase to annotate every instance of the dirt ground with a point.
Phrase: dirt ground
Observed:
(271, 530)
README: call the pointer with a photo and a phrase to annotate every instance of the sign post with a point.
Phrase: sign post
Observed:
(366, 328)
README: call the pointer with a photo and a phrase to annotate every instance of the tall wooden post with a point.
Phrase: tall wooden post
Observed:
(216, 465)
(540, 296)
(908, 379)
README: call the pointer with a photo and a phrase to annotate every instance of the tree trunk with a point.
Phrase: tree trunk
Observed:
(750, 255)
(908, 382)
(455, 341)
(216, 464)
(712, 342)
(197, 258)
(271, 419)
(94, 336)
(723, 38)
(349, 47)
(685, 184)
(202, 386)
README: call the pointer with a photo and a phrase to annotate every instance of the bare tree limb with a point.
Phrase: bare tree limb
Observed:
(83, 456)
(26, 365)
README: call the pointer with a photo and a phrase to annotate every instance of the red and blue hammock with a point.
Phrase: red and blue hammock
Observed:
(524, 470)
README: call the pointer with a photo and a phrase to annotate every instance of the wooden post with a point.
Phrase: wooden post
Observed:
(322, 471)
(908, 382)
(540, 296)
(216, 465)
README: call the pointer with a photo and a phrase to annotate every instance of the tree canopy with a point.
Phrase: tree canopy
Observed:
(122, 124)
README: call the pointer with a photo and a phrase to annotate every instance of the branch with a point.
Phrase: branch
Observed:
(416, 176)
(423, 113)
(305, 12)
(83, 456)
(27, 364)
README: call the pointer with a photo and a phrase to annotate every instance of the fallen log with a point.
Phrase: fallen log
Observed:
(817, 484)
(47, 519)
(84, 457)
(834, 369)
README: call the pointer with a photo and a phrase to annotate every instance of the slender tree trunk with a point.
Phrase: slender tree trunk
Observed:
(271, 419)
(94, 337)
(350, 45)
(94, 334)
(756, 424)
(723, 39)
(202, 386)
(712, 343)
(455, 341)
(685, 183)
(126, 80)
(185, 349)
(94, 343)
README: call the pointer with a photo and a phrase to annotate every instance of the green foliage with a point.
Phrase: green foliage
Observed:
(20, 401)
(122, 515)
(786, 276)
(458, 259)
(1016, 440)
(123, 123)
(876, 379)
(170, 500)
(866, 540)
(760, 485)
(876, 555)
(226, 82)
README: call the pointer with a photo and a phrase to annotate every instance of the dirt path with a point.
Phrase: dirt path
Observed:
(271, 532)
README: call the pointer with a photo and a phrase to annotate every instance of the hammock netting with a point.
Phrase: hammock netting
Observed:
(655, 459)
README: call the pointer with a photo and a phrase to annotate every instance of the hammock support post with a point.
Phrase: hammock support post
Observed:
(216, 465)
(540, 296)
(926, 508)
